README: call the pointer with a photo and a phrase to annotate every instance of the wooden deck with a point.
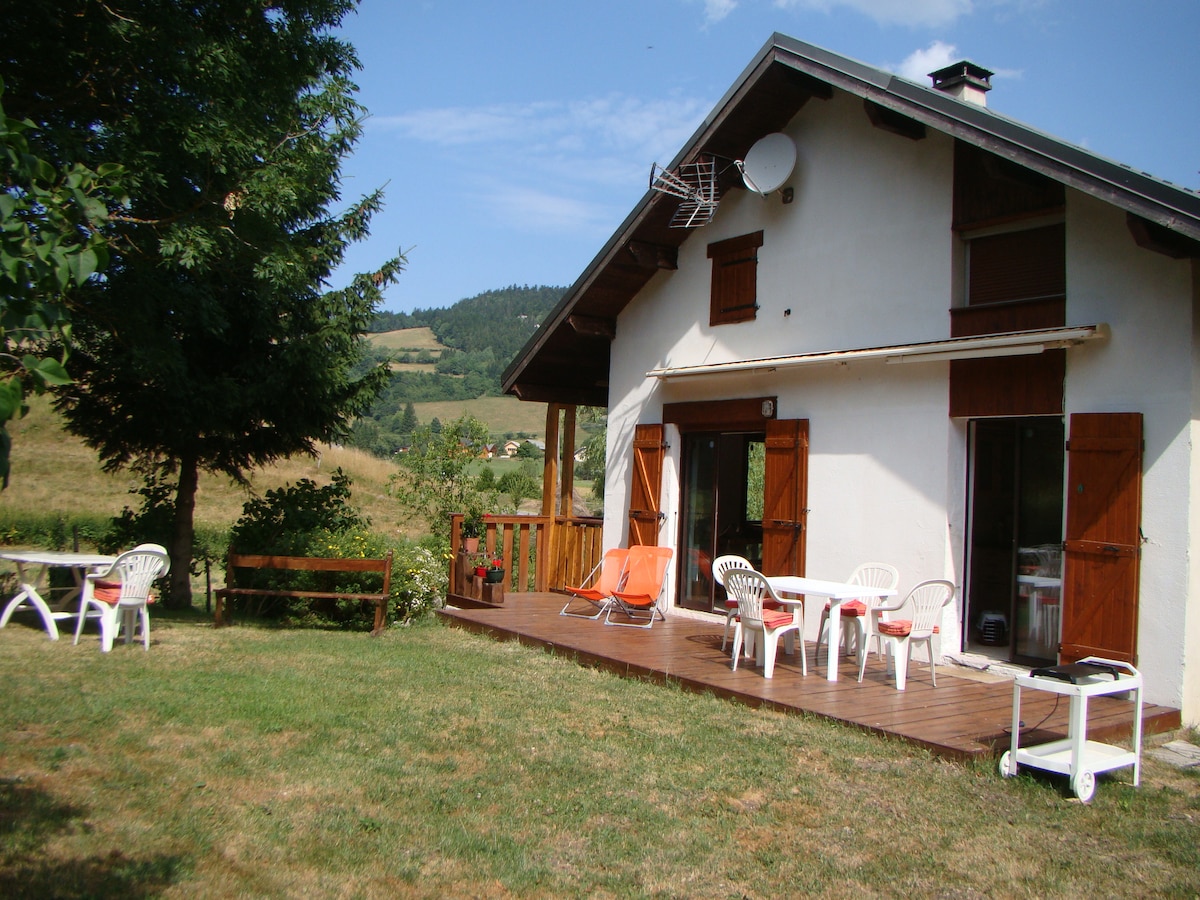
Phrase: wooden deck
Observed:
(962, 718)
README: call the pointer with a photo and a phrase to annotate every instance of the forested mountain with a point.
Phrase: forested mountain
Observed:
(500, 320)
(484, 333)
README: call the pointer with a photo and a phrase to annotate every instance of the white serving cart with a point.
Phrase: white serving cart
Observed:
(1075, 756)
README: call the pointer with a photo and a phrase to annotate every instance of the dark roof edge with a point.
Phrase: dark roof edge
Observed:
(626, 228)
(1160, 201)
(1173, 207)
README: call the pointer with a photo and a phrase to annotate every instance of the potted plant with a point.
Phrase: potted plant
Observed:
(495, 572)
(472, 531)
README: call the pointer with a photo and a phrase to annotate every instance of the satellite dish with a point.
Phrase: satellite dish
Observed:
(769, 163)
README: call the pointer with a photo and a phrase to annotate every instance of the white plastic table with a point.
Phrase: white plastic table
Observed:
(28, 596)
(1077, 757)
(835, 591)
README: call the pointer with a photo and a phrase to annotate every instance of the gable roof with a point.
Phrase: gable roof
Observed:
(567, 359)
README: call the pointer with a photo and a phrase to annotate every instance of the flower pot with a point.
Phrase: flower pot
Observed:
(494, 576)
(471, 544)
(481, 571)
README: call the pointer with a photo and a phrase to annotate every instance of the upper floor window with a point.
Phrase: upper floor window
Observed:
(734, 279)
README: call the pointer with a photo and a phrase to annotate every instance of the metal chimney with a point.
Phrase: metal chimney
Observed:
(964, 80)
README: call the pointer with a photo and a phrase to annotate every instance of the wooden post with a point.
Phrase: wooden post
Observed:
(567, 504)
(549, 482)
(550, 460)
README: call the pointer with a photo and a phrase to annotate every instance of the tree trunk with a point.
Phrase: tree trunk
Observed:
(182, 534)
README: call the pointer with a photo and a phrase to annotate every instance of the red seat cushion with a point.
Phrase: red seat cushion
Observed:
(854, 608)
(775, 618)
(901, 627)
(107, 592)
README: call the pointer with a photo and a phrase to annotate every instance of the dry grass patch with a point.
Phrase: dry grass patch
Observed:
(431, 763)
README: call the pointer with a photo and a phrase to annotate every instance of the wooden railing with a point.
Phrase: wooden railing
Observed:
(540, 553)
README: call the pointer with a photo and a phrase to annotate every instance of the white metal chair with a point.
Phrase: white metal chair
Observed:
(117, 595)
(924, 605)
(753, 593)
(607, 577)
(872, 574)
(720, 566)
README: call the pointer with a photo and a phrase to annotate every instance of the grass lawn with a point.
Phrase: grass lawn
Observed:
(431, 762)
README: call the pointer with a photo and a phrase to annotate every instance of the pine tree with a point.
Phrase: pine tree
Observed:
(214, 342)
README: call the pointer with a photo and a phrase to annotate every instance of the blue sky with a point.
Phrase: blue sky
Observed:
(512, 138)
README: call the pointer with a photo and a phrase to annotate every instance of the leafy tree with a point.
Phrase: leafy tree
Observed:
(521, 484)
(213, 343)
(436, 478)
(51, 241)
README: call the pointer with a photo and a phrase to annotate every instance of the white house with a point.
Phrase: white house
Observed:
(933, 337)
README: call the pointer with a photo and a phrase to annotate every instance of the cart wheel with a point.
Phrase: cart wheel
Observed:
(1084, 785)
(1005, 760)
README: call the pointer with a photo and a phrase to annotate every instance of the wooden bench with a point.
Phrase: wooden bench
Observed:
(237, 561)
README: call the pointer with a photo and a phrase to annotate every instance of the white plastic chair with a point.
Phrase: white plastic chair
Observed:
(872, 574)
(924, 605)
(720, 566)
(753, 594)
(115, 596)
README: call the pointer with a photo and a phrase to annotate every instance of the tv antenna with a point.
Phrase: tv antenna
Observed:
(695, 183)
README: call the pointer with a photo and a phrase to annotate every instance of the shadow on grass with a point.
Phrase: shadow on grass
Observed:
(29, 818)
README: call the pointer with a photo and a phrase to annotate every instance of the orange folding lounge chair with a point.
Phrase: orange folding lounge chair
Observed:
(601, 582)
(645, 574)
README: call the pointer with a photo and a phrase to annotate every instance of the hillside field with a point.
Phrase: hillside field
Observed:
(53, 472)
(408, 339)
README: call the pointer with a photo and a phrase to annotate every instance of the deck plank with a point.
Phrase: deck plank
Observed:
(961, 718)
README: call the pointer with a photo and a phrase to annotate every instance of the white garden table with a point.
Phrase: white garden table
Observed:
(798, 586)
(45, 560)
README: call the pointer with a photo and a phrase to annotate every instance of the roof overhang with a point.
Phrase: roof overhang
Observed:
(567, 359)
(988, 346)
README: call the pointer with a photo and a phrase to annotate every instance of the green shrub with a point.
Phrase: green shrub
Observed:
(306, 520)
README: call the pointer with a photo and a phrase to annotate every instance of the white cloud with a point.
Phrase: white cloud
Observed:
(548, 166)
(917, 66)
(891, 12)
(716, 10)
(615, 125)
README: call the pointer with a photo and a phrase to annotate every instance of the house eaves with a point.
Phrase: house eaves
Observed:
(567, 360)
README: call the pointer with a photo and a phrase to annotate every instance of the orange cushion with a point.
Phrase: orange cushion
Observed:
(901, 627)
(110, 595)
(854, 608)
(775, 618)
(767, 604)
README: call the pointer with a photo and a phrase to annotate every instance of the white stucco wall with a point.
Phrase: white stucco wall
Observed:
(865, 256)
(1146, 367)
(880, 480)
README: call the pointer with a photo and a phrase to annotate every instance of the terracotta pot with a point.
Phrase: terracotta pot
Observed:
(471, 545)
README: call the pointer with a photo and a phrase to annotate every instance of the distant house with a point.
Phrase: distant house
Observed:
(943, 340)
(511, 447)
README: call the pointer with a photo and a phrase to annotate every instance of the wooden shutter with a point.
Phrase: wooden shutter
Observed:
(646, 490)
(1100, 566)
(734, 295)
(785, 497)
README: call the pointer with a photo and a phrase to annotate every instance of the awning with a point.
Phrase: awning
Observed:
(1010, 343)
